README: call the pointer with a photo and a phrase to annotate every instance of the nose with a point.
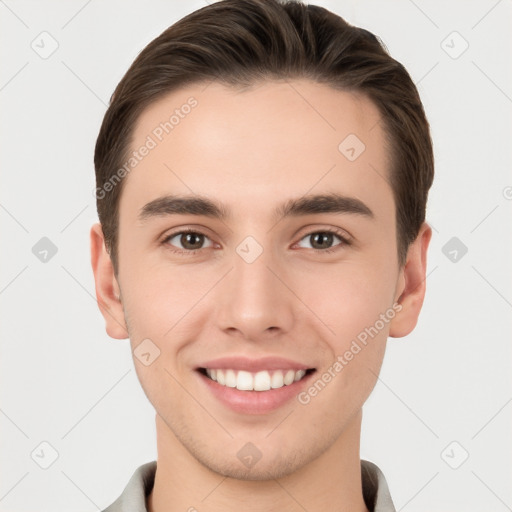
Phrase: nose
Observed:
(254, 301)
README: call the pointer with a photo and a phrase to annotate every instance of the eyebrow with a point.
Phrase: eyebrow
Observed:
(201, 205)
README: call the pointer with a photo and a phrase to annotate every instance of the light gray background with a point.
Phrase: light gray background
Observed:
(65, 382)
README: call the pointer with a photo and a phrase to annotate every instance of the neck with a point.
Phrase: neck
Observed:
(332, 481)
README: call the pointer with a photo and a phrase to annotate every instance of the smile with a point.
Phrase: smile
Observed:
(254, 381)
(253, 385)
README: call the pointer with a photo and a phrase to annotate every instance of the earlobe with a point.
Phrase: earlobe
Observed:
(412, 285)
(107, 288)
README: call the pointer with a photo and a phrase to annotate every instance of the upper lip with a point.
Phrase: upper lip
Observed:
(253, 364)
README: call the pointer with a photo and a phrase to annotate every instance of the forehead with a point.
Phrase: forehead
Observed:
(273, 139)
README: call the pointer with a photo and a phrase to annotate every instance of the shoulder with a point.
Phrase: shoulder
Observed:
(375, 488)
(133, 497)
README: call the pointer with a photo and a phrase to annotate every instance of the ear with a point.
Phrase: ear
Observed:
(411, 285)
(107, 287)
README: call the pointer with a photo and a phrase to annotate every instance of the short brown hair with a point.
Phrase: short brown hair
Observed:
(241, 42)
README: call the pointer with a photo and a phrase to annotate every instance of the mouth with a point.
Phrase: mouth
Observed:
(263, 380)
(253, 386)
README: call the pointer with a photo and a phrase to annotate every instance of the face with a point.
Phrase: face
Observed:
(281, 279)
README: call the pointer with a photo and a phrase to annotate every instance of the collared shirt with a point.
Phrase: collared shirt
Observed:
(133, 499)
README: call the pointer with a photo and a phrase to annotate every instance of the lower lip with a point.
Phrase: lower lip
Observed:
(255, 402)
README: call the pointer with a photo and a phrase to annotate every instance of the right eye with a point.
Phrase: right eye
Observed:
(191, 241)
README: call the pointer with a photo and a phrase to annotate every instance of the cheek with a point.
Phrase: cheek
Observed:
(352, 299)
(358, 311)
(159, 299)
(358, 307)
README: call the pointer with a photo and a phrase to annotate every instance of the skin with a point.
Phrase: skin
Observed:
(252, 150)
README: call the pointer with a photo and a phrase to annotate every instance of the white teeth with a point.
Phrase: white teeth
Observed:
(260, 381)
(289, 377)
(244, 381)
(299, 375)
(230, 378)
(277, 380)
(221, 379)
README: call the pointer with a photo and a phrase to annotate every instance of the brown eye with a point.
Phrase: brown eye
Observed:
(321, 240)
(187, 241)
(191, 240)
(324, 241)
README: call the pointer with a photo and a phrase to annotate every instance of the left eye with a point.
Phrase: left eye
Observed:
(321, 240)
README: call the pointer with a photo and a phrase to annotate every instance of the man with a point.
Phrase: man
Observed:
(262, 176)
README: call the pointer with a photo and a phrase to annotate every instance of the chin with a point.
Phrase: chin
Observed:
(261, 471)
(270, 466)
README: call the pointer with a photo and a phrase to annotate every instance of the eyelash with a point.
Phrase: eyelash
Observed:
(338, 233)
